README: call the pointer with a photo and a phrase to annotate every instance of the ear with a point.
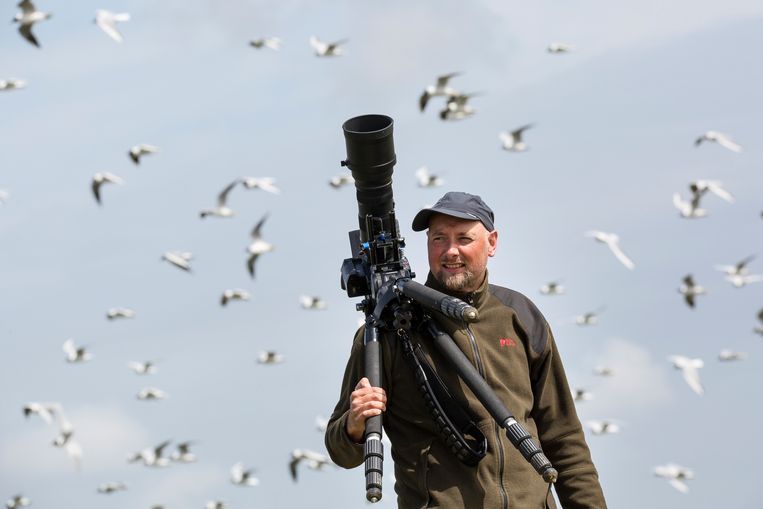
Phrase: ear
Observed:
(492, 240)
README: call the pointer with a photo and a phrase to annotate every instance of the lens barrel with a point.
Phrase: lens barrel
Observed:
(371, 158)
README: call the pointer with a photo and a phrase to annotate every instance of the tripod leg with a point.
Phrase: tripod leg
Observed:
(373, 449)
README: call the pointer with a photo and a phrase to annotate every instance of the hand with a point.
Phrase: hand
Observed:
(365, 402)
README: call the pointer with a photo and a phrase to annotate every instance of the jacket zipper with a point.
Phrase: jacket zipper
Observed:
(496, 428)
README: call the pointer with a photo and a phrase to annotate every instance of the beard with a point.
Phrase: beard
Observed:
(459, 282)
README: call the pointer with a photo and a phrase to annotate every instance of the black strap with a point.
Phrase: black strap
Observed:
(460, 433)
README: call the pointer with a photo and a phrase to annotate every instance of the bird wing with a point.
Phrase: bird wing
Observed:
(679, 485)
(423, 100)
(27, 7)
(107, 24)
(726, 142)
(517, 133)
(26, 32)
(250, 264)
(293, 466)
(223, 196)
(717, 189)
(691, 376)
(615, 248)
(442, 81)
(256, 232)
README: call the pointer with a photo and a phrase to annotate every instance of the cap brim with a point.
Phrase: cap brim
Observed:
(421, 220)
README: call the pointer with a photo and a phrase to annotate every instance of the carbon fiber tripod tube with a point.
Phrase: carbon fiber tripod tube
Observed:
(373, 449)
(437, 301)
(516, 433)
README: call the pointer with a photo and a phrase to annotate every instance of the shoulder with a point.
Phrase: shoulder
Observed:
(530, 318)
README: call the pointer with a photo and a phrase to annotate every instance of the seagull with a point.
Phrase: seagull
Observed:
(714, 186)
(558, 47)
(719, 138)
(728, 355)
(689, 289)
(151, 456)
(111, 487)
(242, 477)
(341, 181)
(75, 354)
(426, 179)
(308, 302)
(46, 411)
(264, 183)
(552, 288)
(440, 88)
(612, 241)
(314, 460)
(321, 423)
(138, 151)
(151, 393)
(28, 16)
(179, 259)
(690, 371)
(273, 43)
(457, 107)
(323, 49)
(270, 357)
(12, 84)
(603, 371)
(589, 318)
(602, 427)
(759, 329)
(581, 395)
(222, 209)
(102, 178)
(142, 368)
(114, 313)
(676, 475)
(737, 274)
(689, 209)
(216, 504)
(512, 140)
(107, 21)
(257, 246)
(234, 294)
(17, 501)
(64, 440)
(183, 453)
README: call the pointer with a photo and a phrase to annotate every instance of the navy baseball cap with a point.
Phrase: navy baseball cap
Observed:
(457, 204)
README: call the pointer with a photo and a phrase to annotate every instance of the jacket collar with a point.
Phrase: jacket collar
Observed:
(476, 298)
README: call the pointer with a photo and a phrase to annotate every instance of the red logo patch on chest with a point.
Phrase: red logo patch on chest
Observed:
(507, 342)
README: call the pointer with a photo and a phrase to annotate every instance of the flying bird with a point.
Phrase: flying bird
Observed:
(182, 453)
(457, 107)
(107, 21)
(179, 259)
(233, 294)
(427, 179)
(151, 394)
(558, 47)
(676, 475)
(728, 355)
(700, 187)
(719, 138)
(738, 274)
(603, 371)
(216, 504)
(689, 209)
(552, 288)
(321, 423)
(512, 140)
(341, 180)
(12, 84)
(17, 501)
(142, 368)
(264, 183)
(273, 43)
(46, 411)
(28, 16)
(64, 441)
(75, 354)
(589, 318)
(690, 290)
(324, 49)
(258, 246)
(138, 151)
(103, 178)
(602, 427)
(151, 456)
(690, 370)
(440, 88)
(759, 329)
(312, 459)
(115, 313)
(270, 357)
(222, 209)
(111, 487)
(243, 477)
(311, 302)
(579, 394)
(613, 242)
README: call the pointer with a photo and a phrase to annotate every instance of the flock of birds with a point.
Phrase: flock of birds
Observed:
(456, 107)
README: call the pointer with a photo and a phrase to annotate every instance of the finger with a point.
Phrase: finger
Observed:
(363, 382)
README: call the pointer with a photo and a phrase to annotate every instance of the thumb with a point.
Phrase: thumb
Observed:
(363, 382)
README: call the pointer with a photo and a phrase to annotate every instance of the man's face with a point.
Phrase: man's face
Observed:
(458, 251)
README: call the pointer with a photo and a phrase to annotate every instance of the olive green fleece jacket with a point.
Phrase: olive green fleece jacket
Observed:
(512, 347)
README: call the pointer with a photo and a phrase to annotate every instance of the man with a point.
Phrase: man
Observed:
(511, 346)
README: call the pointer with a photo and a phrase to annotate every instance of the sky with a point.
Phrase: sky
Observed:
(614, 125)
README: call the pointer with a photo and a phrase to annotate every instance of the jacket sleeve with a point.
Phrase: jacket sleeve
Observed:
(561, 434)
(341, 448)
